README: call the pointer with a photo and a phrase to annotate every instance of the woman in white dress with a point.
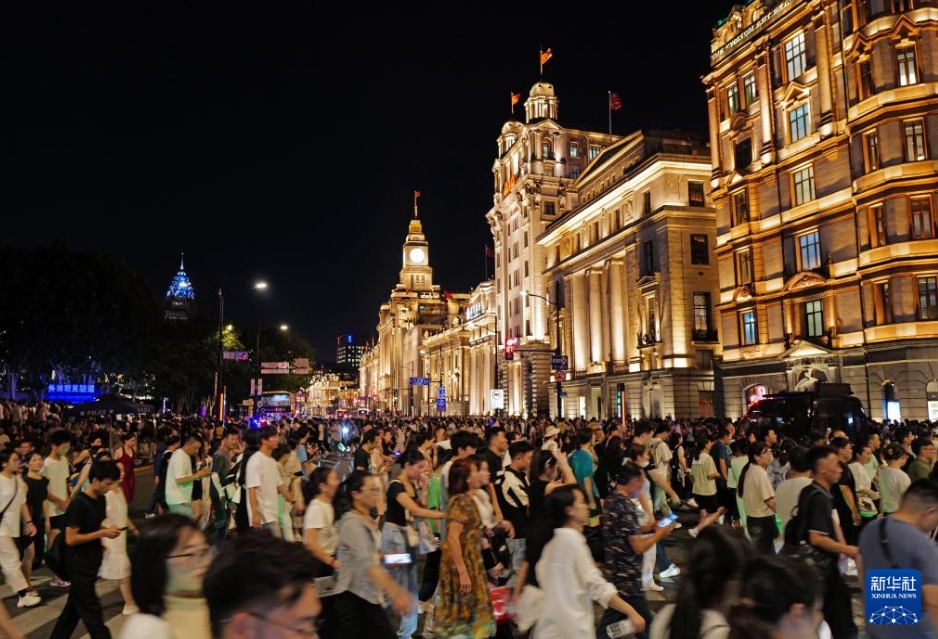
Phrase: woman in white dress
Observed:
(116, 563)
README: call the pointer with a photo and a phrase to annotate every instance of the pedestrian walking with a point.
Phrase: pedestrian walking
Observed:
(83, 535)
(14, 517)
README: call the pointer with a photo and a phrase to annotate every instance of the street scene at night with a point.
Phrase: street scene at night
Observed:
(514, 326)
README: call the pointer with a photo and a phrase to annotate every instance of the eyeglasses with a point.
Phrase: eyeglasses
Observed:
(202, 553)
(310, 630)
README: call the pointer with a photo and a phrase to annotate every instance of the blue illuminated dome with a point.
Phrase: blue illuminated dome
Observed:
(180, 298)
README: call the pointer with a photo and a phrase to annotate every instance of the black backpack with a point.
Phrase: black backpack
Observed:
(796, 534)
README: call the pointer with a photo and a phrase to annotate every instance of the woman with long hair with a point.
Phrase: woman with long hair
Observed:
(757, 493)
(464, 606)
(708, 589)
(783, 600)
(608, 466)
(549, 470)
(403, 507)
(568, 576)
(37, 502)
(362, 582)
(126, 457)
(704, 472)
(680, 469)
(168, 563)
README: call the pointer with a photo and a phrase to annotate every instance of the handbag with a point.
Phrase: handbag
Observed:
(501, 603)
(429, 542)
(413, 537)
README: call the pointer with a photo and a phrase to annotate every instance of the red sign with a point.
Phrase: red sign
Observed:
(510, 347)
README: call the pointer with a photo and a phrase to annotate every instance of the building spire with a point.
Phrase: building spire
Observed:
(182, 258)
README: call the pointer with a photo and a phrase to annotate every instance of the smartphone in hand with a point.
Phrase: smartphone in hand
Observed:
(667, 521)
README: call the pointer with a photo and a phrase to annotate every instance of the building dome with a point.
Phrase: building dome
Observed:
(543, 90)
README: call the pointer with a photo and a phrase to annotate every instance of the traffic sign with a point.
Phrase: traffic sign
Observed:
(560, 376)
(238, 356)
(441, 404)
(419, 381)
(559, 363)
(302, 362)
(275, 371)
(285, 365)
(497, 398)
(441, 392)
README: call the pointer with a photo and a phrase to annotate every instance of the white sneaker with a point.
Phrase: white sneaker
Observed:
(29, 600)
(670, 573)
(690, 502)
(130, 609)
(653, 587)
(693, 533)
(721, 519)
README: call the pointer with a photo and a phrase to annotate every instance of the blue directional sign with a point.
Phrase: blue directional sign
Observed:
(441, 392)
(419, 381)
(441, 404)
(559, 363)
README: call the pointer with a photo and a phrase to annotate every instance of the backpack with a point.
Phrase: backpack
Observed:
(55, 556)
(796, 535)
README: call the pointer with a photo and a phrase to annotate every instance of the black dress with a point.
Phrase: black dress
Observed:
(37, 490)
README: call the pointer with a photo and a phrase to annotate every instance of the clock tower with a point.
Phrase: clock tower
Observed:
(416, 274)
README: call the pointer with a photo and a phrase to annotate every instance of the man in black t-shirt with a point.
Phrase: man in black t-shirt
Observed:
(815, 507)
(362, 458)
(83, 535)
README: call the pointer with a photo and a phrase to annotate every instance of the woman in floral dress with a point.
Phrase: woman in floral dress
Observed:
(465, 606)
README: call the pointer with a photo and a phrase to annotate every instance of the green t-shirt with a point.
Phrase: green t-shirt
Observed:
(581, 462)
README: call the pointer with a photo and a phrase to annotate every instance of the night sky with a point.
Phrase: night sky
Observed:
(285, 143)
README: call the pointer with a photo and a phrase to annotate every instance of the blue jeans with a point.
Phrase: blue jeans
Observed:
(516, 547)
(661, 557)
(394, 541)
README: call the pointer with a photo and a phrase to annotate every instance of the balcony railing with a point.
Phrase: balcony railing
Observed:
(648, 339)
(705, 336)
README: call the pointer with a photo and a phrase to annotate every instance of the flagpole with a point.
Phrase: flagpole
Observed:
(541, 60)
(609, 108)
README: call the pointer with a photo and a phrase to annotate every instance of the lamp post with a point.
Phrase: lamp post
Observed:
(258, 286)
(557, 349)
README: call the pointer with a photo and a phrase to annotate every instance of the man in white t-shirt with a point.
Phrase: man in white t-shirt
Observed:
(787, 493)
(15, 514)
(179, 475)
(263, 481)
(55, 468)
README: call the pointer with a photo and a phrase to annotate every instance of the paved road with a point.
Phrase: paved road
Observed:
(38, 622)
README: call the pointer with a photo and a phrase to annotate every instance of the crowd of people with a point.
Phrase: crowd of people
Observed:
(465, 527)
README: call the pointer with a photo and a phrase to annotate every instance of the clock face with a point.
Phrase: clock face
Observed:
(417, 254)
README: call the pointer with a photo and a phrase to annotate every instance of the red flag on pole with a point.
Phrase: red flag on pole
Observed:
(514, 98)
(488, 251)
(614, 102)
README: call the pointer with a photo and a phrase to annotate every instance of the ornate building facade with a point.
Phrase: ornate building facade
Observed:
(632, 273)
(180, 297)
(823, 131)
(537, 162)
(416, 310)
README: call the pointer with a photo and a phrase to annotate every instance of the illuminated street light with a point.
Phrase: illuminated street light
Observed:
(284, 327)
(260, 286)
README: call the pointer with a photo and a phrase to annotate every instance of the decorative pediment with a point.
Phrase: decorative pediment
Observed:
(795, 93)
(803, 349)
(743, 293)
(739, 121)
(804, 279)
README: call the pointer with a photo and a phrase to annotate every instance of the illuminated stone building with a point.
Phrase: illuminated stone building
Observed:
(537, 161)
(633, 266)
(481, 324)
(417, 309)
(180, 297)
(823, 131)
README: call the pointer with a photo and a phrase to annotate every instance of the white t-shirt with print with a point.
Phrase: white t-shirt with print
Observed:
(263, 473)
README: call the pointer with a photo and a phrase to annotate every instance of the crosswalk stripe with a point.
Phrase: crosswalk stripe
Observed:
(51, 608)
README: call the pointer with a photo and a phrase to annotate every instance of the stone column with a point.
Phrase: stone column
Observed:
(579, 314)
(617, 311)
(595, 315)
(714, 115)
(764, 87)
(822, 53)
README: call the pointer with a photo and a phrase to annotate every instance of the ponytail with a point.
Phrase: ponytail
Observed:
(772, 586)
(755, 450)
(343, 501)
(746, 624)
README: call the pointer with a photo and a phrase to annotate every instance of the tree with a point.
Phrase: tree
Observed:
(81, 314)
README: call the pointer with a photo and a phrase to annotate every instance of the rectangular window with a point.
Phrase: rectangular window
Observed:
(928, 298)
(549, 208)
(526, 274)
(648, 258)
(915, 141)
(871, 151)
(798, 121)
(704, 360)
(883, 304)
(905, 61)
(732, 98)
(740, 207)
(803, 183)
(749, 334)
(814, 318)
(594, 150)
(809, 250)
(699, 249)
(652, 320)
(695, 193)
(750, 93)
(898, 6)
(743, 267)
(574, 149)
(922, 227)
(865, 73)
(545, 150)
(701, 313)
(879, 236)
(525, 239)
(646, 203)
(743, 154)
(796, 58)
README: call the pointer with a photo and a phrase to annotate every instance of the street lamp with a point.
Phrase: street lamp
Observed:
(258, 286)
(557, 350)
